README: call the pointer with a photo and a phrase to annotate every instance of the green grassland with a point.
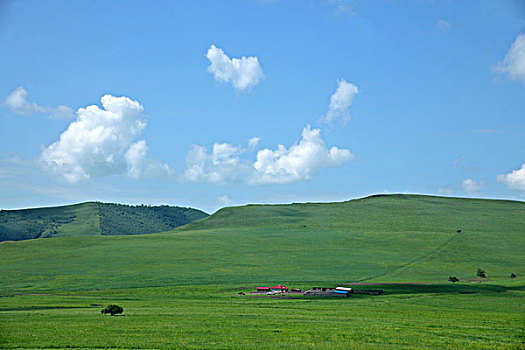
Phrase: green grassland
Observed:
(179, 288)
(92, 218)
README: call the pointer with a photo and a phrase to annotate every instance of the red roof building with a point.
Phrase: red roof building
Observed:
(280, 288)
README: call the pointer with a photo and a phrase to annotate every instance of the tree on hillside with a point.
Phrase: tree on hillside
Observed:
(453, 279)
(481, 273)
(512, 275)
(112, 309)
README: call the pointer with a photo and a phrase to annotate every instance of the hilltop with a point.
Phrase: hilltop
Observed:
(378, 238)
(92, 219)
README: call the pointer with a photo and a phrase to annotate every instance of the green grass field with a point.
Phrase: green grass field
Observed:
(179, 289)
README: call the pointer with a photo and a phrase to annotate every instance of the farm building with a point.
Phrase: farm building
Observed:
(319, 292)
(329, 292)
(263, 289)
(342, 292)
(280, 288)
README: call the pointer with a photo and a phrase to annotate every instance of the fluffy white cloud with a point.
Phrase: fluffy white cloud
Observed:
(472, 187)
(17, 102)
(515, 179)
(243, 72)
(300, 162)
(221, 165)
(514, 62)
(102, 142)
(135, 156)
(340, 101)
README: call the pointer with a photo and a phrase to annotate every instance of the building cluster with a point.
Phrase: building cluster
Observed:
(315, 291)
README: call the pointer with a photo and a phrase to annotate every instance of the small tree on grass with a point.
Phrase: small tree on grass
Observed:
(481, 273)
(512, 275)
(453, 279)
(112, 309)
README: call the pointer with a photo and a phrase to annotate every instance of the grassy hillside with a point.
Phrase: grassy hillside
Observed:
(381, 238)
(92, 219)
(179, 289)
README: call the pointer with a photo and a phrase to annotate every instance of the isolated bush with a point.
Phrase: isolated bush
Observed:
(512, 275)
(481, 273)
(112, 309)
(453, 279)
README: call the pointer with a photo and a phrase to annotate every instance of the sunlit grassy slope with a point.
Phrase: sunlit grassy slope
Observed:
(379, 238)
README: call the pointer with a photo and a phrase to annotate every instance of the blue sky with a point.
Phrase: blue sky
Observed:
(363, 96)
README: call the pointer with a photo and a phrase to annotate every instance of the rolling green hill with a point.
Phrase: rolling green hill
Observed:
(91, 219)
(179, 288)
(379, 238)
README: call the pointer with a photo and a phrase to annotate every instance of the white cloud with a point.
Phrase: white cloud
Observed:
(102, 142)
(253, 142)
(243, 72)
(62, 112)
(17, 102)
(472, 187)
(298, 163)
(340, 101)
(442, 25)
(139, 166)
(515, 179)
(221, 165)
(514, 62)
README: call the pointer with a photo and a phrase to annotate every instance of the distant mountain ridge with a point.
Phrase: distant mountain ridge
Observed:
(92, 219)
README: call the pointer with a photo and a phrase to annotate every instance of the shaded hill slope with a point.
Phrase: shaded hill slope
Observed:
(92, 218)
(374, 239)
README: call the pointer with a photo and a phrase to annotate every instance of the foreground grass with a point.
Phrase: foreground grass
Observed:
(422, 316)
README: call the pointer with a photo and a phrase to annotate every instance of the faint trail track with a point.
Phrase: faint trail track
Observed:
(413, 262)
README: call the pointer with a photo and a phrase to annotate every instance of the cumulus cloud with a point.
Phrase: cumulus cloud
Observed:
(220, 165)
(243, 72)
(340, 101)
(515, 179)
(102, 141)
(17, 102)
(514, 62)
(472, 187)
(298, 163)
